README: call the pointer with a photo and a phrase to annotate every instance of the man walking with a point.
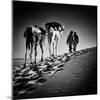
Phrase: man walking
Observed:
(72, 41)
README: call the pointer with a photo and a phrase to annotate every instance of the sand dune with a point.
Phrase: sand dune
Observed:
(65, 75)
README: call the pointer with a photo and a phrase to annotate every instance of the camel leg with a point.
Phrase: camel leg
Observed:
(31, 51)
(56, 46)
(41, 46)
(49, 42)
(57, 42)
(35, 49)
(50, 49)
(26, 56)
(53, 48)
(52, 43)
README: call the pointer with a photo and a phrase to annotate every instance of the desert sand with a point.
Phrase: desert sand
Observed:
(65, 75)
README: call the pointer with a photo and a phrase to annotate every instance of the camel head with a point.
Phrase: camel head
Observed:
(27, 31)
(61, 30)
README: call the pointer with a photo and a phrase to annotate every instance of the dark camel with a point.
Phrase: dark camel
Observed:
(35, 36)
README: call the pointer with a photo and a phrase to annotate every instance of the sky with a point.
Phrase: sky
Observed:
(82, 19)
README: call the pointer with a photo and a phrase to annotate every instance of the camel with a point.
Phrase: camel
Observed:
(35, 35)
(54, 31)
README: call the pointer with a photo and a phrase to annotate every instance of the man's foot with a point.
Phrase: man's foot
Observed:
(70, 51)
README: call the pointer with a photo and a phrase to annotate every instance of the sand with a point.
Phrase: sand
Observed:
(77, 76)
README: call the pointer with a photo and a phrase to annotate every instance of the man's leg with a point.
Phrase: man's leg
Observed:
(74, 47)
(70, 48)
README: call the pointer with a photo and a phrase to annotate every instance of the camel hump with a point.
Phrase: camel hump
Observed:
(43, 31)
(55, 25)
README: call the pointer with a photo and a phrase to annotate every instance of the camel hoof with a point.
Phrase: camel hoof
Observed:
(24, 64)
(31, 63)
(41, 59)
(34, 62)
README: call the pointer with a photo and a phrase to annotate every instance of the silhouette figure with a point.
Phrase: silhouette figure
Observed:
(72, 40)
(35, 36)
(54, 31)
